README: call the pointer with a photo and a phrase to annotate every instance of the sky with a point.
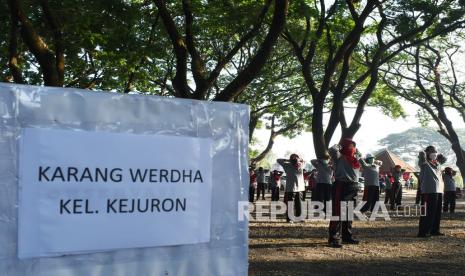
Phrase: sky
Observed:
(375, 126)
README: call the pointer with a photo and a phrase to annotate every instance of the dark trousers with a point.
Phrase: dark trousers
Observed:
(430, 223)
(371, 198)
(296, 198)
(251, 193)
(261, 189)
(342, 191)
(399, 195)
(418, 195)
(274, 193)
(387, 196)
(394, 199)
(322, 193)
(449, 201)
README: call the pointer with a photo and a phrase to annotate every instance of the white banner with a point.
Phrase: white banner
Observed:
(95, 191)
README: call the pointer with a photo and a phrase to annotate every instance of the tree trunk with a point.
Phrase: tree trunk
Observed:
(321, 148)
(13, 49)
(51, 63)
(454, 140)
(252, 125)
(267, 150)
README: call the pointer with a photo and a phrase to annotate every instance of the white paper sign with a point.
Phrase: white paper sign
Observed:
(94, 191)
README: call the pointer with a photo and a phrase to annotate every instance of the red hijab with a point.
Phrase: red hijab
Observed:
(348, 152)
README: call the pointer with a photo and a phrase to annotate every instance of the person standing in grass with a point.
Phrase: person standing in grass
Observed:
(388, 188)
(450, 190)
(275, 179)
(295, 184)
(252, 184)
(396, 193)
(346, 173)
(261, 183)
(322, 191)
(432, 188)
(371, 175)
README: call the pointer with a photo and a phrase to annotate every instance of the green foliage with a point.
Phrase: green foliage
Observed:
(383, 98)
(423, 117)
(459, 180)
(108, 42)
(253, 153)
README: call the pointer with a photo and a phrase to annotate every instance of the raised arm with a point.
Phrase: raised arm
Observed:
(421, 158)
(363, 163)
(282, 162)
(334, 152)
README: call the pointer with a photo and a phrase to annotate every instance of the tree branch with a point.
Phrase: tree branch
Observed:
(235, 87)
(13, 47)
(180, 85)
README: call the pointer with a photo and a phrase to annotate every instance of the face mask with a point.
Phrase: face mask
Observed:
(433, 156)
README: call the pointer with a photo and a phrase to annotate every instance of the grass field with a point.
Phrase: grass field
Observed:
(386, 248)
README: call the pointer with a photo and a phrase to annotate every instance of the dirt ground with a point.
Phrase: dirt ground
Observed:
(386, 248)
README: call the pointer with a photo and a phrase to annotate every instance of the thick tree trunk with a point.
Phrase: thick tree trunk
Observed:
(51, 63)
(454, 140)
(13, 48)
(252, 125)
(461, 165)
(350, 131)
(321, 148)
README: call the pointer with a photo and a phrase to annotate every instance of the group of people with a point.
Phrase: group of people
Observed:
(258, 184)
(336, 178)
(393, 187)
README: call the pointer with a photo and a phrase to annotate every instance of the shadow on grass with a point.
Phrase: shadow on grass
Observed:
(428, 265)
(391, 232)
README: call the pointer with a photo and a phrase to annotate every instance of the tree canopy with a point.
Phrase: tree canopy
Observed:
(291, 61)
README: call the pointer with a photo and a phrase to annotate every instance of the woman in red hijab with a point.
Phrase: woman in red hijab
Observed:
(346, 173)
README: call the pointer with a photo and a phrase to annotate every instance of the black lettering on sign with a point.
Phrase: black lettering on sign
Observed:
(116, 175)
(137, 176)
(72, 171)
(43, 173)
(86, 175)
(164, 175)
(198, 176)
(188, 175)
(181, 204)
(175, 176)
(58, 174)
(64, 206)
(153, 175)
(110, 204)
(122, 204)
(76, 206)
(155, 202)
